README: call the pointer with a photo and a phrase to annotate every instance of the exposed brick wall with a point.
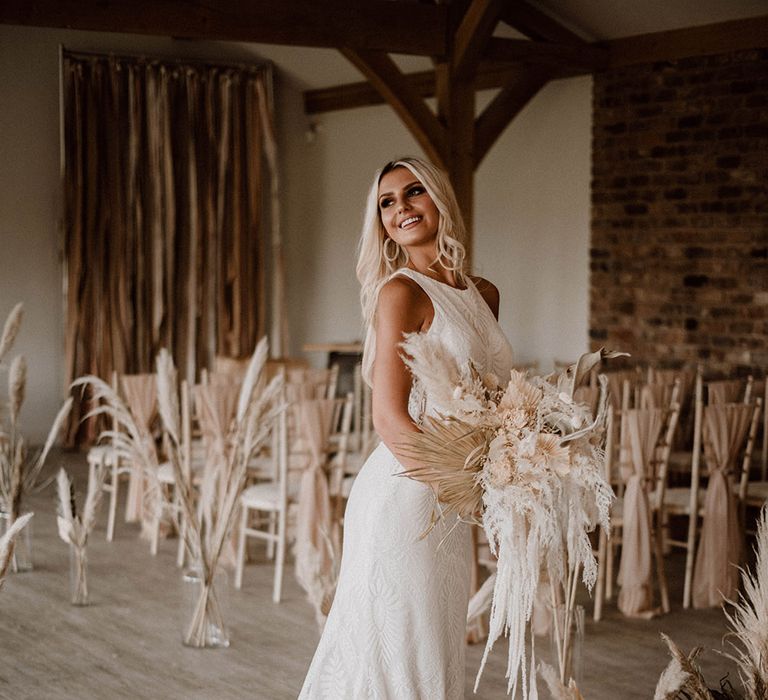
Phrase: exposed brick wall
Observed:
(679, 259)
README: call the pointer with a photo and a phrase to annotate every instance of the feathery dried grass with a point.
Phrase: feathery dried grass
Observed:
(682, 675)
(17, 384)
(11, 329)
(73, 527)
(557, 689)
(258, 406)
(7, 544)
(749, 620)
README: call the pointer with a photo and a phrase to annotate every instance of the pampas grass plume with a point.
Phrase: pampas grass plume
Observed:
(749, 620)
(6, 543)
(17, 384)
(11, 329)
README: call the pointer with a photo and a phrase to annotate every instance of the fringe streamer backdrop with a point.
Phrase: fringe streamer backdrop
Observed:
(167, 175)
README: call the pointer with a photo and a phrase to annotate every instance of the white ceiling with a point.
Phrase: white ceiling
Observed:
(592, 19)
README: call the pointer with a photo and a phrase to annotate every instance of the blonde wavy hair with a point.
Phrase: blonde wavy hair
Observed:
(373, 267)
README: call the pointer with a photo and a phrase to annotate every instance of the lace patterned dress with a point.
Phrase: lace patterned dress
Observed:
(396, 630)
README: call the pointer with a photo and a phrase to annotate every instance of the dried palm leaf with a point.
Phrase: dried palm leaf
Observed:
(452, 453)
(11, 329)
(749, 620)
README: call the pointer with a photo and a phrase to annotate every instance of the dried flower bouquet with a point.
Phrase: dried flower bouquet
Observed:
(523, 459)
(19, 470)
(75, 528)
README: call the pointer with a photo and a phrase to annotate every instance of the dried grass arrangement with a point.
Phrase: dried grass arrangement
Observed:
(19, 469)
(75, 528)
(524, 459)
(7, 543)
(207, 527)
(748, 636)
(258, 406)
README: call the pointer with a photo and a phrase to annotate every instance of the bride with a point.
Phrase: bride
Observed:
(396, 629)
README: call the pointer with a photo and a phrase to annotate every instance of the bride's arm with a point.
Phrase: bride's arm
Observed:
(402, 308)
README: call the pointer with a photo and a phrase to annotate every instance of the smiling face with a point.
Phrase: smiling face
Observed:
(407, 212)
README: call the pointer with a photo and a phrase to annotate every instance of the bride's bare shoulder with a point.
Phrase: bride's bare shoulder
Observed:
(489, 292)
(404, 300)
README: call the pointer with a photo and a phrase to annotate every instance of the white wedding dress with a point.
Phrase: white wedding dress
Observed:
(396, 630)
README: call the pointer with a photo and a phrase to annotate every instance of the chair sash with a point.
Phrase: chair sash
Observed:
(635, 570)
(307, 383)
(725, 391)
(140, 391)
(656, 395)
(314, 561)
(725, 429)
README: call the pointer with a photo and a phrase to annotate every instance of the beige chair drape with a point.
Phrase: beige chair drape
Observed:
(140, 392)
(314, 561)
(165, 214)
(725, 428)
(643, 428)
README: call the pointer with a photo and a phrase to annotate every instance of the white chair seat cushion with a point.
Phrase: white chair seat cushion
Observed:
(265, 496)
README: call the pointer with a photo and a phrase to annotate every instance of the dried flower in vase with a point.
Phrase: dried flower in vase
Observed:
(208, 527)
(748, 635)
(20, 470)
(75, 528)
(7, 543)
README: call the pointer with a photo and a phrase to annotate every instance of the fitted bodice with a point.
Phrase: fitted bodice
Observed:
(466, 327)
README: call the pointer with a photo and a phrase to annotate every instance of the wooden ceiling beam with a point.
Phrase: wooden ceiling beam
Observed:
(384, 74)
(363, 94)
(735, 35)
(503, 109)
(473, 33)
(372, 25)
(587, 58)
(537, 25)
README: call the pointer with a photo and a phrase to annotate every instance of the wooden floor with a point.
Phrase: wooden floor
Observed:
(128, 643)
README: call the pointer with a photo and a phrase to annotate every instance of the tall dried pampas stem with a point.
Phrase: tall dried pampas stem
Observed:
(17, 384)
(11, 330)
(682, 675)
(7, 544)
(208, 527)
(74, 528)
(749, 620)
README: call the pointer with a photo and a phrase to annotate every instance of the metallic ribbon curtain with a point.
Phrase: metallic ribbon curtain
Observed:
(168, 175)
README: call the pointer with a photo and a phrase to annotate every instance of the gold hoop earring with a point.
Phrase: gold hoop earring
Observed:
(391, 259)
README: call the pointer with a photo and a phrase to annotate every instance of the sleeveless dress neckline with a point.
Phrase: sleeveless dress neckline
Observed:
(432, 279)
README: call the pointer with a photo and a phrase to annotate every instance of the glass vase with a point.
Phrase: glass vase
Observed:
(78, 575)
(204, 608)
(567, 642)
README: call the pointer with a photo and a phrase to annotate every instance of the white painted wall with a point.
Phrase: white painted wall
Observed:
(532, 204)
